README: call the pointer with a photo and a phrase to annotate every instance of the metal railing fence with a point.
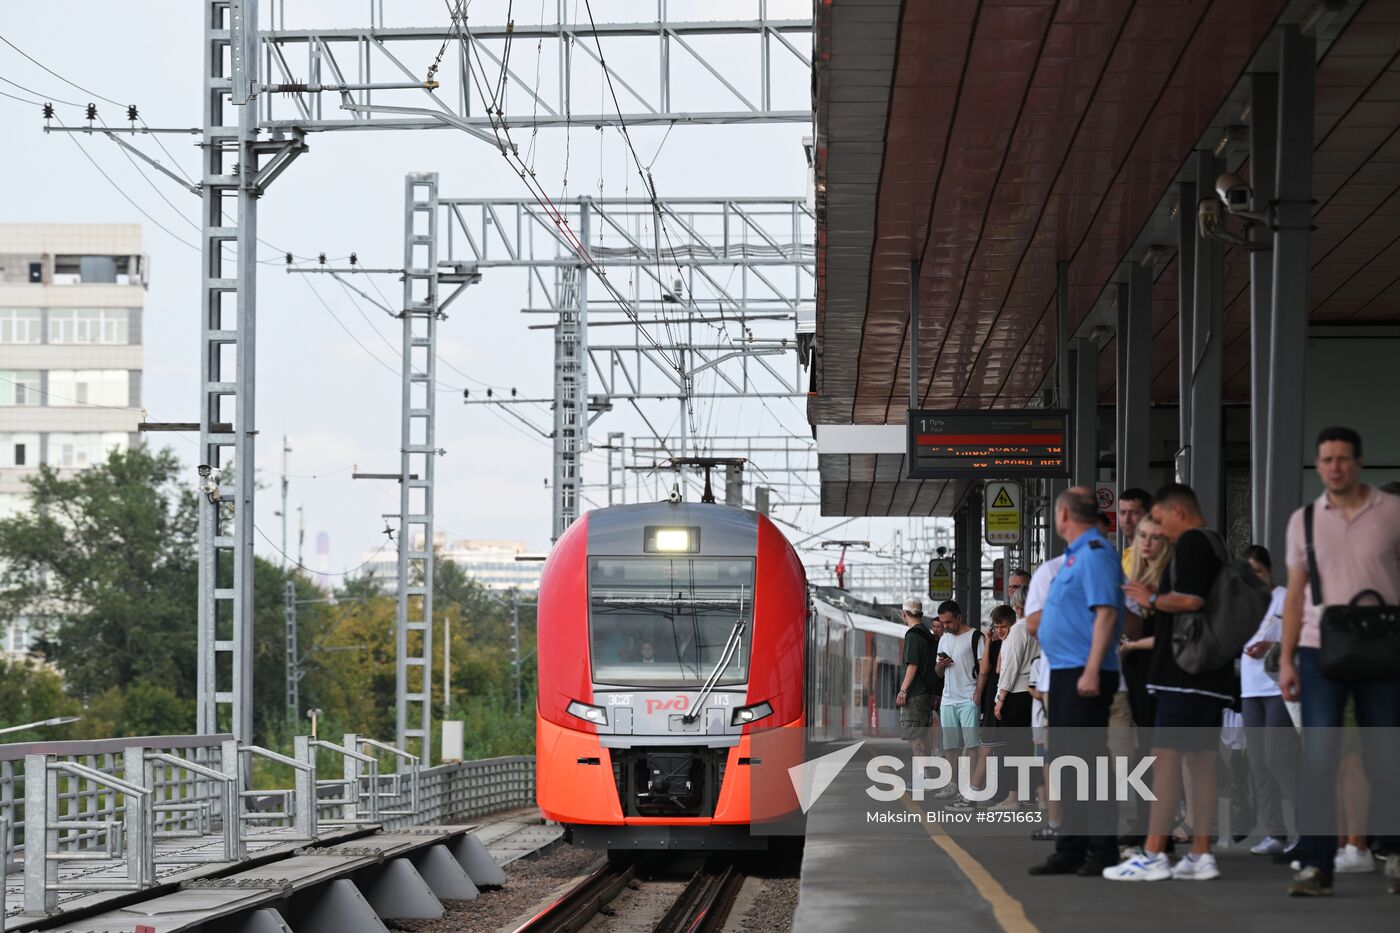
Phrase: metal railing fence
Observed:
(112, 814)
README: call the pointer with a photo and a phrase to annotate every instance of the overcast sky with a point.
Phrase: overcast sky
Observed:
(332, 394)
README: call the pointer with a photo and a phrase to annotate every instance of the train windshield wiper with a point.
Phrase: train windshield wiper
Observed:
(736, 636)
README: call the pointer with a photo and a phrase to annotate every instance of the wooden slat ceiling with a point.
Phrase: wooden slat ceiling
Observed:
(1017, 134)
(1356, 183)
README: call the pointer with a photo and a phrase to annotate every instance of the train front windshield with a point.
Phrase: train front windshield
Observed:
(667, 621)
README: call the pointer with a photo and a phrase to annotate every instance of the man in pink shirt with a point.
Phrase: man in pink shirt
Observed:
(1356, 543)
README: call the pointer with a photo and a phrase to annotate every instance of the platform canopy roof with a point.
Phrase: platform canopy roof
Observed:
(992, 140)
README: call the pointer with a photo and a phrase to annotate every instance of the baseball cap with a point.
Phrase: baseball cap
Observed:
(914, 606)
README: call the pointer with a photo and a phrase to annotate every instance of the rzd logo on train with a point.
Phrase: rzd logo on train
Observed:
(678, 703)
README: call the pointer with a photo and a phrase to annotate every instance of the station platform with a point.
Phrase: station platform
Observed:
(906, 875)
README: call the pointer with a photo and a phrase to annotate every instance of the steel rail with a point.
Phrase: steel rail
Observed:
(582, 902)
(703, 907)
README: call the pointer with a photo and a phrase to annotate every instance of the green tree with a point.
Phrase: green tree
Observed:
(30, 693)
(109, 552)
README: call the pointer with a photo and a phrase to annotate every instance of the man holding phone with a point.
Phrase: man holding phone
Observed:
(960, 652)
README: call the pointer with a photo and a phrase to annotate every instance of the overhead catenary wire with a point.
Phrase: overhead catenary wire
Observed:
(351, 292)
(325, 573)
(510, 151)
(173, 160)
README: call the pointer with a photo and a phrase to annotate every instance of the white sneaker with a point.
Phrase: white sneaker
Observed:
(1269, 845)
(1196, 868)
(1150, 866)
(1353, 861)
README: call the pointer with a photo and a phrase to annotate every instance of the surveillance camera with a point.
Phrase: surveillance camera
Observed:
(675, 496)
(1210, 222)
(203, 469)
(1234, 191)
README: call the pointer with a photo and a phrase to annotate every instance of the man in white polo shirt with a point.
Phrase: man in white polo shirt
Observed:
(1356, 545)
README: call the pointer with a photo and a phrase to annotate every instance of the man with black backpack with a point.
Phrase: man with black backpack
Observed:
(915, 699)
(1190, 703)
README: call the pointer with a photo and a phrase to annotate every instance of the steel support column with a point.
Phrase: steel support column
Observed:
(1120, 361)
(968, 565)
(1208, 359)
(417, 460)
(1263, 151)
(1136, 395)
(1084, 453)
(228, 315)
(570, 386)
(1185, 317)
(289, 614)
(617, 468)
(1292, 246)
(915, 384)
(1063, 371)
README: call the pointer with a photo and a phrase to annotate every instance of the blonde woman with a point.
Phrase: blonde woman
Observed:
(1151, 552)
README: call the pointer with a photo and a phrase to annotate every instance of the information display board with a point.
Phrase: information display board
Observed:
(970, 444)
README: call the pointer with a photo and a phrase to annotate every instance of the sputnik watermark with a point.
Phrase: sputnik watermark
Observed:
(1118, 778)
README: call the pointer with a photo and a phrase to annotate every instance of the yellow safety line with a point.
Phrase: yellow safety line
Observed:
(1009, 912)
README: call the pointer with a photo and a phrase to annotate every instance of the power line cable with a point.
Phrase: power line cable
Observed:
(22, 100)
(46, 97)
(142, 211)
(325, 573)
(57, 75)
(45, 392)
(349, 333)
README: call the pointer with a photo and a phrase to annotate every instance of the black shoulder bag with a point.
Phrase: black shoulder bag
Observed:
(1359, 641)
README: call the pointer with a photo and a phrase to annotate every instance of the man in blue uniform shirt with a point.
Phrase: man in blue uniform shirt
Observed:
(1078, 631)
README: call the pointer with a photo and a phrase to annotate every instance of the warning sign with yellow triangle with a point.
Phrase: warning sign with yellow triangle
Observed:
(1003, 513)
(940, 579)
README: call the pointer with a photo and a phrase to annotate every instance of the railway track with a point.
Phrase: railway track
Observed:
(702, 906)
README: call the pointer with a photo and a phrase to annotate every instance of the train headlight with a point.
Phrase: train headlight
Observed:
(658, 539)
(747, 714)
(594, 714)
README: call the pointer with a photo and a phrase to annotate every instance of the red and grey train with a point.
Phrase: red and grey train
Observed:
(682, 662)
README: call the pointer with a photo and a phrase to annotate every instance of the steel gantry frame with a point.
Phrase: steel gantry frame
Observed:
(251, 72)
(351, 63)
(768, 243)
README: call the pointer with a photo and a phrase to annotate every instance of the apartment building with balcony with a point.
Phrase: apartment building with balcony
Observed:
(71, 297)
